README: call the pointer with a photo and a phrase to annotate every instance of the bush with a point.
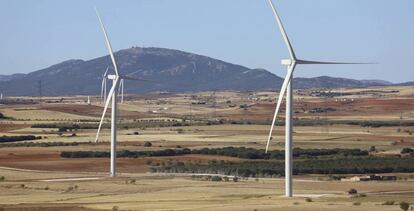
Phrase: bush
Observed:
(404, 206)
(147, 144)
(2, 178)
(389, 203)
(235, 179)
(407, 151)
(136, 133)
(357, 203)
(2, 116)
(352, 191)
(308, 200)
(216, 179)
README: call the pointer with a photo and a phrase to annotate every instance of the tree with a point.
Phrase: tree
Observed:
(404, 206)
(352, 191)
(216, 179)
(407, 151)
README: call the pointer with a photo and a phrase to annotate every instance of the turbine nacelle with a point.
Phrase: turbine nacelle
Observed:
(112, 77)
(287, 62)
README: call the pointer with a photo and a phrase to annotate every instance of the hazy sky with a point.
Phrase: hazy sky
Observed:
(37, 34)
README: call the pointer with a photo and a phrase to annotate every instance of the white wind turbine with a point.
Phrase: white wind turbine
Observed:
(103, 87)
(121, 90)
(287, 87)
(112, 97)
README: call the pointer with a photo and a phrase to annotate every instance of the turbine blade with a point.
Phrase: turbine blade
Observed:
(137, 79)
(108, 100)
(283, 31)
(102, 87)
(120, 85)
(106, 71)
(323, 62)
(108, 44)
(279, 101)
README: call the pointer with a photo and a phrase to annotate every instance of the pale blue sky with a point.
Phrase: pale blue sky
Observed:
(37, 34)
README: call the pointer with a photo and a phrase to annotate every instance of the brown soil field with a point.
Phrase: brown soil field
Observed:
(91, 110)
(46, 159)
(7, 127)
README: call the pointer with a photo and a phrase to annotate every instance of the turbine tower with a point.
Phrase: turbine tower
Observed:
(288, 88)
(112, 97)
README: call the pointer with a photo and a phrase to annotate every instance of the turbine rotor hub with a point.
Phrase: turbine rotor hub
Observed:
(112, 77)
(287, 62)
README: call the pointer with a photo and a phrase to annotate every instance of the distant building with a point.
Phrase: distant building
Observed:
(369, 178)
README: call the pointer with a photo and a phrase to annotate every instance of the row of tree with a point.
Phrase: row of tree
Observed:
(240, 152)
(350, 165)
(39, 144)
(7, 139)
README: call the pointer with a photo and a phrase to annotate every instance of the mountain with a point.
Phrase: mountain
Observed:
(11, 77)
(176, 71)
(331, 82)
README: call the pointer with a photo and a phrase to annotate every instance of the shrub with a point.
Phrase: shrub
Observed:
(352, 191)
(388, 203)
(308, 200)
(136, 133)
(115, 208)
(147, 144)
(216, 179)
(407, 151)
(362, 195)
(404, 206)
(235, 179)
(2, 178)
(357, 203)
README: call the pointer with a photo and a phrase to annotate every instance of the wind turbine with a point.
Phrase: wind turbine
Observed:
(121, 90)
(103, 88)
(112, 97)
(287, 87)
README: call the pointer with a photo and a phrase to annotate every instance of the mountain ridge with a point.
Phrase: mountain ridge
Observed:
(177, 71)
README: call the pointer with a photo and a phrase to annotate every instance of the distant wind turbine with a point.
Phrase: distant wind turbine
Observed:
(121, 90)
(103, 87)
(112, 97)
(287, 87)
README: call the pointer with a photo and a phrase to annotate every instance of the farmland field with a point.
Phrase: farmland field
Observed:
(376, 120)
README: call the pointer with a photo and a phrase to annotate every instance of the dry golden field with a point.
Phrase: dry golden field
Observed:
(37, 178)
